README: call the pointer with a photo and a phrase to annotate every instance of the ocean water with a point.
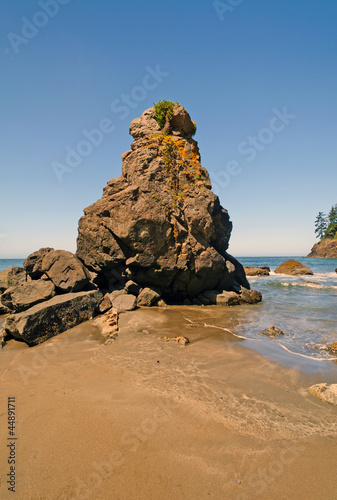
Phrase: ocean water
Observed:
(305, 312)
(5, 263)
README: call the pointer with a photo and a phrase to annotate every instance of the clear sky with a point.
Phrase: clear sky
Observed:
(258, 77)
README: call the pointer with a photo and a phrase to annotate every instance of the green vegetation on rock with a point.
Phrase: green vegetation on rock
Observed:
(326, 226)
(163, 109)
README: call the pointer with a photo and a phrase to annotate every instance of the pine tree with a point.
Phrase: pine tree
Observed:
(331, 230)
(321, 225)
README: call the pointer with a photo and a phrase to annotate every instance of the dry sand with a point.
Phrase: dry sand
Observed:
(146, 419)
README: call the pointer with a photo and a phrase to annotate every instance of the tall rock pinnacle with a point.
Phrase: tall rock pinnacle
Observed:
(159, 224)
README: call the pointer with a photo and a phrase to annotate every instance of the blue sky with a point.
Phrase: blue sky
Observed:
(237, 67)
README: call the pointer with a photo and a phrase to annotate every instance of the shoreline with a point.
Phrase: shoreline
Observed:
(141, 418)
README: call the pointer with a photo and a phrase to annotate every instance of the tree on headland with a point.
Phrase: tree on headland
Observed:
(331, 230)
(320, 225)
(326, 226)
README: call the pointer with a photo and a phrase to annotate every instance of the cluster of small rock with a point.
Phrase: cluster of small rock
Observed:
(50, 294)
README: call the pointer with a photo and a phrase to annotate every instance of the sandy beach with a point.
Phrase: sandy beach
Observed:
(142, 418)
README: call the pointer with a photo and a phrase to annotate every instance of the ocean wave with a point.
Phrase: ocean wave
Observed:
(317, 286)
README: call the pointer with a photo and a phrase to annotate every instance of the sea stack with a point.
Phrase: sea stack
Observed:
(159, 224)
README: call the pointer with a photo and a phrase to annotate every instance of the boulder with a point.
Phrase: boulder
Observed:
(257, 271)
(65, 270)
(124, 302)
(228, 299)
(159, 224)
(11, 277)
(45, 320)
(332, 349)
(271, 331)
(326, 392)
(148, 297)
(250, 296)
(33, 263)
(105, 304)
(293, 267)
(28, 294)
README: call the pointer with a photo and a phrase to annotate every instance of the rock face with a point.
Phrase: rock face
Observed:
(52, 317)
(293, 267)
(159, 224)
(325, 249)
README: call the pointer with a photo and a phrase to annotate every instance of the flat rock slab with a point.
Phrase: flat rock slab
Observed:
(43, 321)
(293, 267)
(28, 294)
(326, 392)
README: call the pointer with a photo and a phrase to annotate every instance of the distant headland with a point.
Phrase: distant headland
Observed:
(326, 231)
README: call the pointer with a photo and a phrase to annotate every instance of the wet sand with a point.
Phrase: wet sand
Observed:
(146, 419)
